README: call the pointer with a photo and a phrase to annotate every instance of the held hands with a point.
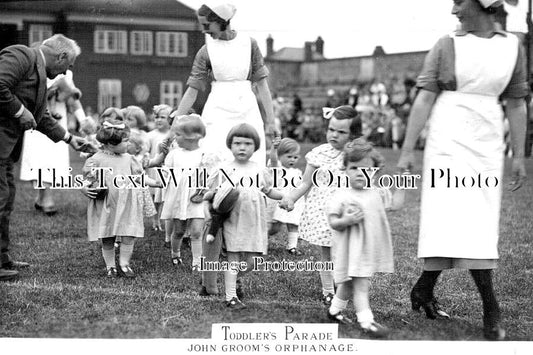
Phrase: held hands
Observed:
(164, 146)
(272, 130)
(286, 203)
(276, 141)
(518, 173)
(27, 121)
(146, 161)
(78, 143)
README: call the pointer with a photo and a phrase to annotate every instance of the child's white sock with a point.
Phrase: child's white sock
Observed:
(126, 250)
(365, 317)
(292, 240)
(230, 284)
(326, 277)
(196, 250)
(109, 257)
(337, 305)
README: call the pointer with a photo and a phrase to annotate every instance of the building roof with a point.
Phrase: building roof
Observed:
(142, 8)
(292, 54)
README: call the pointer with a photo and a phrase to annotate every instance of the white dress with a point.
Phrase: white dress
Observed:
(231, 101)
(40, 152)
(187, 167)
(466, 137)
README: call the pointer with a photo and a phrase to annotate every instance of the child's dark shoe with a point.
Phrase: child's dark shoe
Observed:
(235, 304)
(167, 245)
(339, 318)
(326, 299)
(496, 333)
(126, 271)
(204, 293)
(111, 272)
(375, 330)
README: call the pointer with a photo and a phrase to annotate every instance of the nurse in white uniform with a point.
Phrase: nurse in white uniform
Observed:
(232, 63)
(466, 76)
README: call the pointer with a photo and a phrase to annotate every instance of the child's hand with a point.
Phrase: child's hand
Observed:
(353, 214)
(164, 146)
(209, 239)
(145, 162)
(89, 192)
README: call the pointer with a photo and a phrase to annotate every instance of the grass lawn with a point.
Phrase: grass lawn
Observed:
(65, 293)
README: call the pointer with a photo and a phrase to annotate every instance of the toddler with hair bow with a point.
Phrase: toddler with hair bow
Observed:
(118, 211)
(344, 124)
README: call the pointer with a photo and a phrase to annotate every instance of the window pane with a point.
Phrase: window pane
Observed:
(171, 43)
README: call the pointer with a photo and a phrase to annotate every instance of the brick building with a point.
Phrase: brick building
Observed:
(134, 52)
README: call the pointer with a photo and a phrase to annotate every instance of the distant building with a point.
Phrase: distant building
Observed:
(134, 52)
(306, 70)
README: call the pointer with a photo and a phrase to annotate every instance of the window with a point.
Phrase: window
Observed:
(171, 44)
(141, 43)
(171, 93)
(38, 33)
(110, 41)
(109, 93)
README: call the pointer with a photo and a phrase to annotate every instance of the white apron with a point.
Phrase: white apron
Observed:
(231, 100)
(40, 152)
(466, 139)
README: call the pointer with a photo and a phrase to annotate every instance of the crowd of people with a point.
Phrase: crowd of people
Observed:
(384, 108)
(222, 216)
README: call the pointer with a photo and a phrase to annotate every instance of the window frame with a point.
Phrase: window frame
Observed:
(171, 98)
(41, 29)
(147, 43)
(102, 45)
(110, 85)
(163, 39)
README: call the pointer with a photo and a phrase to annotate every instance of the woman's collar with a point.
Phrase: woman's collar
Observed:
(497, 29)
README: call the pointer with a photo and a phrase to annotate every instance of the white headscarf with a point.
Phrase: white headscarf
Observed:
(224, 11)
(489, 3)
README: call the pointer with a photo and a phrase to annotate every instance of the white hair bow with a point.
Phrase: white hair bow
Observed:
(327, 112)
(110, 125)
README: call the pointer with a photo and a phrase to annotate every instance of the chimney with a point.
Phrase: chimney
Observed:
(319, 45)
(378, 51)
(308, 52)
(270, 45)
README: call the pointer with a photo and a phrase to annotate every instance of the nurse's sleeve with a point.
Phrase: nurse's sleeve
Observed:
(258, 69)
(438, 71)
(517, 87)
(201, 68)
